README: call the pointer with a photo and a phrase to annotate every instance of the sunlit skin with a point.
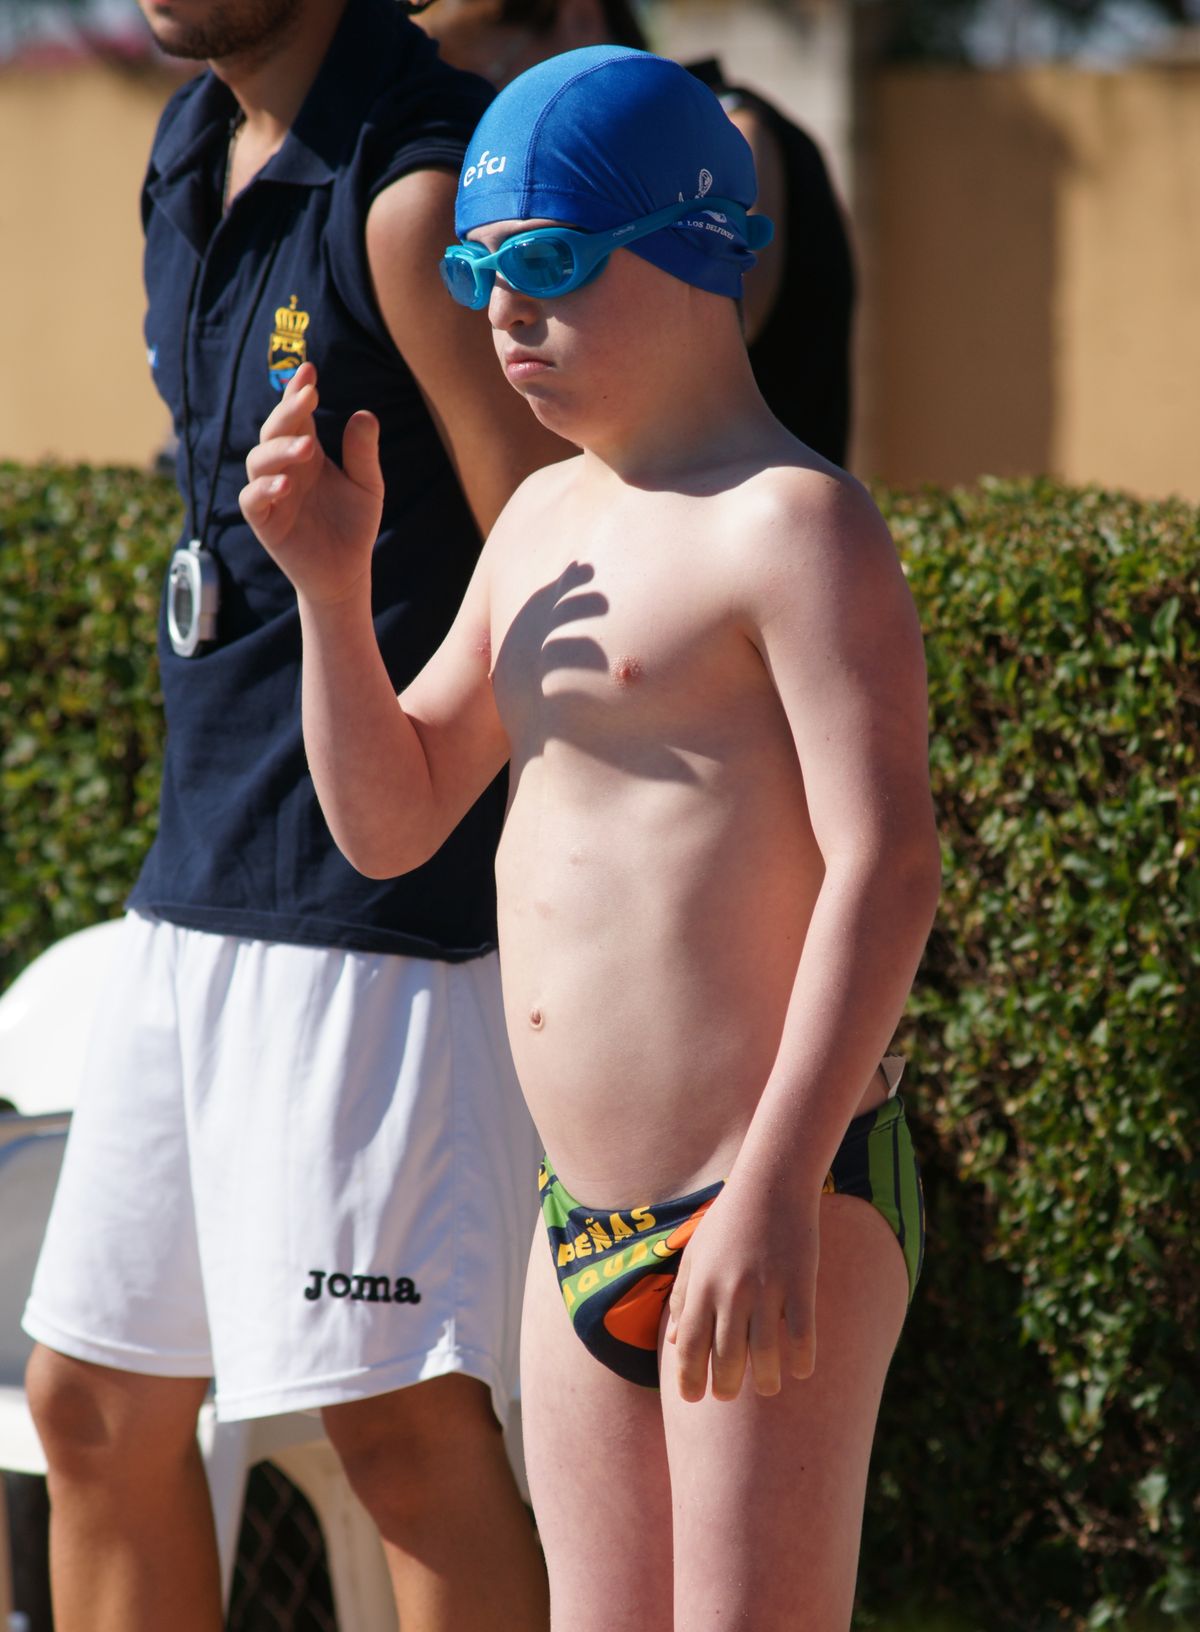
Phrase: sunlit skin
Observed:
(695, 648)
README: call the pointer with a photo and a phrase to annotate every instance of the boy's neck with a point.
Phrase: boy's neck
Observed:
(701, 421)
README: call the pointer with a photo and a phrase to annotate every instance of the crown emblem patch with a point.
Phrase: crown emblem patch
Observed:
(288, 347)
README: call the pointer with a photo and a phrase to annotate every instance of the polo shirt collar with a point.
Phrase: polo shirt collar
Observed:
(372, 45)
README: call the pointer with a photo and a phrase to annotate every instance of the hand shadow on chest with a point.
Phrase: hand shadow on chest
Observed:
(610, 713)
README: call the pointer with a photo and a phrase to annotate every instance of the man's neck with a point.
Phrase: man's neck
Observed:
(271, 86)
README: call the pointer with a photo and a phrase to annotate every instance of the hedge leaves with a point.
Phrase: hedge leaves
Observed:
(1038, 1462)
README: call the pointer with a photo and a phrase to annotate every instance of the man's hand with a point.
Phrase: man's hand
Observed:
(318, 523)
(746, 1291)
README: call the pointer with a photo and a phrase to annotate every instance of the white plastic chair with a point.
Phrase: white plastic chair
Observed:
(30, 1155)
(46, 1019)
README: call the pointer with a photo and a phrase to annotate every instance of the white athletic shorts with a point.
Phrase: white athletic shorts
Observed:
(308, 1174)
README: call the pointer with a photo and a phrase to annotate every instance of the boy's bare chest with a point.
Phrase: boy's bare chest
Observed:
(610, 640)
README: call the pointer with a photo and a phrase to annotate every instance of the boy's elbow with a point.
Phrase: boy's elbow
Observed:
(389, 856)
(916, 866)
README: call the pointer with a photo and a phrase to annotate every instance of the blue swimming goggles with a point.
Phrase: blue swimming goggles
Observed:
(552, 261)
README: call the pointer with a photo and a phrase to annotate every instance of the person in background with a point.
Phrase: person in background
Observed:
(299, 1162)
(799, 300)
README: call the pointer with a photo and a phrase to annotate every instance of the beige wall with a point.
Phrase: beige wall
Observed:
(1032, 252)
(1029, 246)
(73, 376)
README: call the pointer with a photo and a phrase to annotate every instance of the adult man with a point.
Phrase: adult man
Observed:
(298, 1164)
(798, 301)
(695, 646)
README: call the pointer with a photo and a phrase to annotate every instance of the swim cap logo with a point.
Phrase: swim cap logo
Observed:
(485, 165)
(705, 183)
(288, 347)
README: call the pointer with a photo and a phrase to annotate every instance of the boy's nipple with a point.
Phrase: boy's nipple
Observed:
(626, 670)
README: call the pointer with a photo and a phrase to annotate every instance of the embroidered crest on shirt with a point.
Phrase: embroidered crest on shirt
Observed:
(288, 347)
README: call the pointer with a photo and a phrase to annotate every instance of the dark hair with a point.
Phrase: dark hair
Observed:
(620, 24)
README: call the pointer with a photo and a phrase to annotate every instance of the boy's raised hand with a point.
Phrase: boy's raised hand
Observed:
(746, 1292)
(318, 523)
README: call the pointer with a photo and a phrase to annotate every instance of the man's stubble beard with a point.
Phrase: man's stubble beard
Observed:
(246, 29)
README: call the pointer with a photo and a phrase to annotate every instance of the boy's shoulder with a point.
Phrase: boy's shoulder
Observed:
(799, 514)
(541, 488)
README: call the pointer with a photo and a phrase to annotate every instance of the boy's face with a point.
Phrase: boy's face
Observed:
(585, 359)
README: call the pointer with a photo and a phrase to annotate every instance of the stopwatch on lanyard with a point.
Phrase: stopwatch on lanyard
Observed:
(194, 576)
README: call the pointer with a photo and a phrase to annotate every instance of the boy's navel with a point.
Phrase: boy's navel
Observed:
(536, 1018)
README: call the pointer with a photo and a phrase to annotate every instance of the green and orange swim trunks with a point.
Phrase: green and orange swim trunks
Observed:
(616, 1269)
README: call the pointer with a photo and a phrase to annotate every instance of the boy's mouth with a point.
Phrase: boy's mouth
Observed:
(524, 365)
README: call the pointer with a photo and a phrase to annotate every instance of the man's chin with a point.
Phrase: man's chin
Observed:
(251, 31)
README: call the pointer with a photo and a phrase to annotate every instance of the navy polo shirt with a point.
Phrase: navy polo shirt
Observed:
(235, 303)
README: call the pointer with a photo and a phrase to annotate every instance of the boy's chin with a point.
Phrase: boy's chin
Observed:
(551, 411)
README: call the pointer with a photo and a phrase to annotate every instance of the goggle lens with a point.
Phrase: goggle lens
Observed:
(458, 274)
(539, 266)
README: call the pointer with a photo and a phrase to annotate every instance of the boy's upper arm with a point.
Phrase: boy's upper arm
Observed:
(492, 439)
(833, 619)
(452, 707)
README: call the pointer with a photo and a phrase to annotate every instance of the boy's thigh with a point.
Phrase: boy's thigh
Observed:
(597, 1470)
(768, 1492)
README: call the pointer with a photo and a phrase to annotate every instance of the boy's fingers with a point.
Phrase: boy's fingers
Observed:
(729, 1355)
(678, 1299)
(360, 451)
(693, 1345)
(256, 501)
(279, 454)
(292, 413)
(767, 1337)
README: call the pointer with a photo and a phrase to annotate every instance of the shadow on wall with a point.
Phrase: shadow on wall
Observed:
(961, 276)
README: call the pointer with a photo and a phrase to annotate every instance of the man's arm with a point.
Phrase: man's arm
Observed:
(493, 440)
(832, 618)
(393, 778)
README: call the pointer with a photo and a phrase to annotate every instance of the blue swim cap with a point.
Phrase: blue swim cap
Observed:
(598, 137)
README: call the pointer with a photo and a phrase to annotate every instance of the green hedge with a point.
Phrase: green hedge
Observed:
(1038, 1463)
(1040, 1456)
(82, 554)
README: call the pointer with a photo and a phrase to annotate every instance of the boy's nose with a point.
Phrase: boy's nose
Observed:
(508, 308)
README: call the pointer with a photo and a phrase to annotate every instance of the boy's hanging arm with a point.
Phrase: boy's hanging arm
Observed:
(828, 609)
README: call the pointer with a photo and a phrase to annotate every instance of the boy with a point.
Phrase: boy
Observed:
(694, 646)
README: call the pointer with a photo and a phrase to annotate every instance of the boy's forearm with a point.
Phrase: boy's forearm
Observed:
(366, 758)
(862, 949)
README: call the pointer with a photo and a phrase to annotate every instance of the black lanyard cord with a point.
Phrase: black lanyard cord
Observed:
(227, 410)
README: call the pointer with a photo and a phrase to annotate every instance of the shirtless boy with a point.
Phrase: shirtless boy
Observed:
(695, 648)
